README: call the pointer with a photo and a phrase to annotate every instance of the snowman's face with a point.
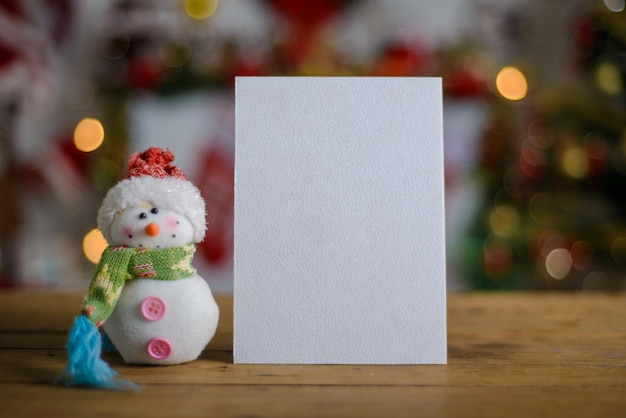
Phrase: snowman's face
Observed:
(150, 227)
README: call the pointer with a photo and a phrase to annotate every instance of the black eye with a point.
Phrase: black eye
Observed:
(154, 211)
(143, 215)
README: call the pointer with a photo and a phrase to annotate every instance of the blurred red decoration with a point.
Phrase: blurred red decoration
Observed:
(145, 73)
(305, 18)
(7, 55)
(463, 82)
(308, 13)
(13, 11)
(78, 160)
(399, 60)
(217, 187)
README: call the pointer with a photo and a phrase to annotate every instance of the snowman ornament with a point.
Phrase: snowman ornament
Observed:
(145, 295)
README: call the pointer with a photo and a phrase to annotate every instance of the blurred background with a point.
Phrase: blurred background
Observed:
(534, 121)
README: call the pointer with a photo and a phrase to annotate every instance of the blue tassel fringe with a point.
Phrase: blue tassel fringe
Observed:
(107, 344)
(85, 367)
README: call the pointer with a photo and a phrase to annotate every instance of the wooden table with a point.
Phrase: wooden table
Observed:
(510, 355)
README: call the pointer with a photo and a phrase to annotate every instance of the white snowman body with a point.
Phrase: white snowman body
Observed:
(177, 335)
(156, 321)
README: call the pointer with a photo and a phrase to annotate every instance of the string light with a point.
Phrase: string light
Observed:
(93, 245)
(88, 134)
(511, 83)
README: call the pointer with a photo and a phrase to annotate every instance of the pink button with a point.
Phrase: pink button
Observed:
(153, 308)
(159, 348)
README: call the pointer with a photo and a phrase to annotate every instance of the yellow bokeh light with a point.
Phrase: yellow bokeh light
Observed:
(575, 163)
(504, 220)
(609, 78)
(200, 9)
(93, 245)
(511, 83)
(88, 135)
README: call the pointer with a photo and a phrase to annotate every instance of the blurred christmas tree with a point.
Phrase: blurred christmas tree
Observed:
(554, 216)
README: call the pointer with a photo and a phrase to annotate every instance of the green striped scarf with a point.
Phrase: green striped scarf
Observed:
(119, 264)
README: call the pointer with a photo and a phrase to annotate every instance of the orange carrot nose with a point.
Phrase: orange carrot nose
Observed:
(152, 229)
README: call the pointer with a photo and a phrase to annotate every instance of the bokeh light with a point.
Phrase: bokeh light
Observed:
(558, 263)
(549, 240)
(504, 220)
(574, 162)
(615, 5)
(533, 160)
(608, 78)
(511, 83)
(200, 9)
(93, 245)
(88, 135)
(498, 259)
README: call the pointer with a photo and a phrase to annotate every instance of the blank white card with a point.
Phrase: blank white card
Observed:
(339, 221)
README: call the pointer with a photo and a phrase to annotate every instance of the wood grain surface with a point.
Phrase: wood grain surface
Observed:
(509, 355)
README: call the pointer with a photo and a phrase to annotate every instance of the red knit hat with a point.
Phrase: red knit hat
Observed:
(153, 162)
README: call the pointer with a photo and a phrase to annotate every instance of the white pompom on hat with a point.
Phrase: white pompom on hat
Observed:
(152, 179)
